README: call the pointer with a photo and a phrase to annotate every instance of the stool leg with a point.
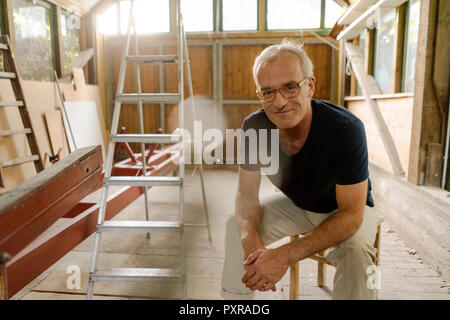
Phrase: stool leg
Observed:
(293, 277)
(321, 271)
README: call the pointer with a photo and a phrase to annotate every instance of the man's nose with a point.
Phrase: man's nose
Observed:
(279, 100)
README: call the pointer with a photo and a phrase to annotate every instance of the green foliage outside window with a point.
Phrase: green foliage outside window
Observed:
(34, 53)
(70, 38)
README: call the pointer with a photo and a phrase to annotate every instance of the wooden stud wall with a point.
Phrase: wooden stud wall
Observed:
(237, 82)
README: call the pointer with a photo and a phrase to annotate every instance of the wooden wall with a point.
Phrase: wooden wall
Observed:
(237, 81)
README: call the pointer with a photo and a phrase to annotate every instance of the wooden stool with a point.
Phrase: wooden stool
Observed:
(321, 266)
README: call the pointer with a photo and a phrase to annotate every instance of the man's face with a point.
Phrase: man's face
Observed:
(285, 69)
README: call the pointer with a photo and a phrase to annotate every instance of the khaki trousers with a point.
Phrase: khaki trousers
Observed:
(281, 218)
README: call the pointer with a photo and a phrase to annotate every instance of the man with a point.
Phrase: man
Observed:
(323, 178)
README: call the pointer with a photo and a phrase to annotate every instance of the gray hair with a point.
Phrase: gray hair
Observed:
(270, 53)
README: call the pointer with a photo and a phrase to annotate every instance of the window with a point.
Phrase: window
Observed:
(151, 16)
(197, 15)
(70, 38)
(240, 15)
(333, 12)
(411, 39)
(34, 52)
(293, 14)
(107, 22)
(384, 51)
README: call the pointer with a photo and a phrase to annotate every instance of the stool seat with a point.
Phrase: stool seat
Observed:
(321, 264)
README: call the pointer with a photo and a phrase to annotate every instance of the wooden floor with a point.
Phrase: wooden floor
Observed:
(403, 276)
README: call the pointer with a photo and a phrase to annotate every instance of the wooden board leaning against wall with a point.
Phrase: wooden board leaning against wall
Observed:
(236, 80)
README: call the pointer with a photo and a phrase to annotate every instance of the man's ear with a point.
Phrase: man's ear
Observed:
(311, 86)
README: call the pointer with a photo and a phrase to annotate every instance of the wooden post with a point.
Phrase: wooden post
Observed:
(262, 15)
(397, 66)
(321, 271)
(426, 118)
(353, 82)
(56, 35)
(369, 50)
(294, 274)
(4, 258)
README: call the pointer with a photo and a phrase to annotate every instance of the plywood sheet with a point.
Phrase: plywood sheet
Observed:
(56, 132)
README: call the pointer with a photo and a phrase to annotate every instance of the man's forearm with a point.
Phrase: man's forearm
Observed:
(331, 232)
(248, 217)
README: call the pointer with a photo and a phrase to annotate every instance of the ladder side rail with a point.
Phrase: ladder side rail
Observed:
(141, 120)
(181, 43)
(16, 84)
(109, 158)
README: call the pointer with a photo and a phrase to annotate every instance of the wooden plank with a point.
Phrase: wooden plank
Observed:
(22, 208)
(56, 132)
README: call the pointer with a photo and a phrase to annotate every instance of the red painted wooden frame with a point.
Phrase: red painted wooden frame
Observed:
(41, 254)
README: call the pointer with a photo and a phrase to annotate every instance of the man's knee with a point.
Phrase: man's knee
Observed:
(354, 250)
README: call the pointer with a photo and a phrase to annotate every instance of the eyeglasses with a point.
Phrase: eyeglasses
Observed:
(288, 91)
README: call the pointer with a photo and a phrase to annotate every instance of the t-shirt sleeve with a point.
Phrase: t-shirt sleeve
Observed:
(353, 159)
(248, 148)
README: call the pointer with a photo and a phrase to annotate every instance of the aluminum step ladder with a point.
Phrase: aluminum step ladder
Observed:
(11, 73)
(146, 274)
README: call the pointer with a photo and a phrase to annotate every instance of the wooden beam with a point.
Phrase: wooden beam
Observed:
(70, 5)
(262, 15)
(36, 204)
(41, 254)
(399, 39)
(369, 50)
(353, 82)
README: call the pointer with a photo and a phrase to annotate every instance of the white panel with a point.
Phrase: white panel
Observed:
(85, 125)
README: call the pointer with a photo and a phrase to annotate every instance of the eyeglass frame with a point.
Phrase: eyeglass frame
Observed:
(300, 84)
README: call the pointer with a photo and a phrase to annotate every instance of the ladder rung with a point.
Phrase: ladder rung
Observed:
(3, 46)
(146, 138)
(143, 181)
(17, 161)
(137, 275)
(149, 97)
(7, 75)
(11, 103)
(139, 226)
(153, 59)
(13, 132)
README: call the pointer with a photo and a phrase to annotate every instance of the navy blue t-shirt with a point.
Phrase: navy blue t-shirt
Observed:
(335, 152)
